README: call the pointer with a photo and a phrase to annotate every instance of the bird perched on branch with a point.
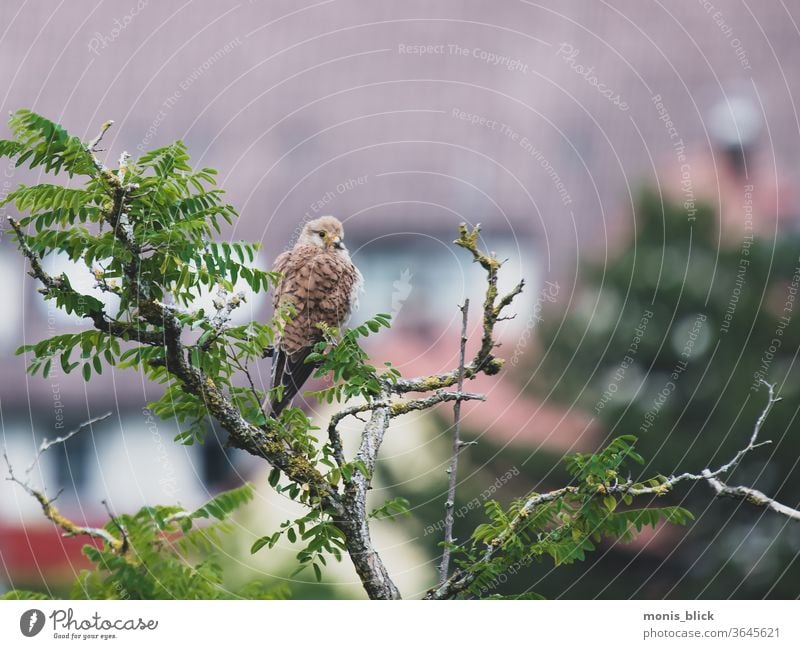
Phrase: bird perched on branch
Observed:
(321, 285)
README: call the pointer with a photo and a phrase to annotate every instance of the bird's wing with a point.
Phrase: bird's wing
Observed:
(290, 373)
(319, 285)
(282, 262)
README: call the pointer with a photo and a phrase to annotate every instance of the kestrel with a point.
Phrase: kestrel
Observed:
(321, 284)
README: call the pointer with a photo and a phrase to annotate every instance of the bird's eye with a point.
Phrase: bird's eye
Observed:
(320, 233)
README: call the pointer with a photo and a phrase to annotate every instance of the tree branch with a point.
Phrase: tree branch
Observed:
(461, 579)
(219, 322)
(395, 409)
(368, 565)
(452, 469)
(493, 306)
(53, 285)
(68, 527)
(753, 496)
(706, 474)
(367, 562)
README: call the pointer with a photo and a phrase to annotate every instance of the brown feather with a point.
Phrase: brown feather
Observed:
(320, 283)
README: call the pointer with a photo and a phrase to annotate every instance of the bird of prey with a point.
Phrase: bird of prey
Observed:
(321, 284)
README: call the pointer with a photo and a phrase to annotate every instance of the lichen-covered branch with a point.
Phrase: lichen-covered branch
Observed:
(51, 512)
(461, 579)
(384, 408)
(493, 306)
(158, 324)
(750, 495)
(368, 564)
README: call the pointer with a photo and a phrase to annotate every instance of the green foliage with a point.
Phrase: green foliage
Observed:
(347, 363)
(22, 594)
(667, 341)
(392, 509)
(564, 527)
(605, 466)
(144, 232)
(94, 347)
(168, 213)
(322, 538)
(44, 144)
(166, 554)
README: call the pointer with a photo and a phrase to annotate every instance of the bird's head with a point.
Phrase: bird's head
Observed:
(325, 232)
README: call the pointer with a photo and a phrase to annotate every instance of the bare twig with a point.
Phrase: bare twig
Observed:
(119, 527)
(68, 527)
(92, 146)
(452, 469)
(706, 474)
(47, 444)
(246, 371)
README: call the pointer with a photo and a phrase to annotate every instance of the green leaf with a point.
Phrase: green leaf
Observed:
(274, 477)
(260, 543)
(22, 594)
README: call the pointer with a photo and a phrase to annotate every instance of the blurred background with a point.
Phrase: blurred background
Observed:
(635, 161)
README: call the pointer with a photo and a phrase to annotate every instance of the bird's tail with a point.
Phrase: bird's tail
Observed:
(289, 372)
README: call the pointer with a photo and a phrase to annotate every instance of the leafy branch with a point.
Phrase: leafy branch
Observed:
(144, 231)
(51, 512)
(568, 522)
(150, 554)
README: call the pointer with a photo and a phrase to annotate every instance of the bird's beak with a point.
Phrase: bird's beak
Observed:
(337, 243)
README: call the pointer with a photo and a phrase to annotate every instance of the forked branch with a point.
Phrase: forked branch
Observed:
(462, 578)
(51, 512)
(384, 408)
(493, 306)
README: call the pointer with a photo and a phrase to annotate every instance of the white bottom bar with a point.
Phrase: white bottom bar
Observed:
(335, 624)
